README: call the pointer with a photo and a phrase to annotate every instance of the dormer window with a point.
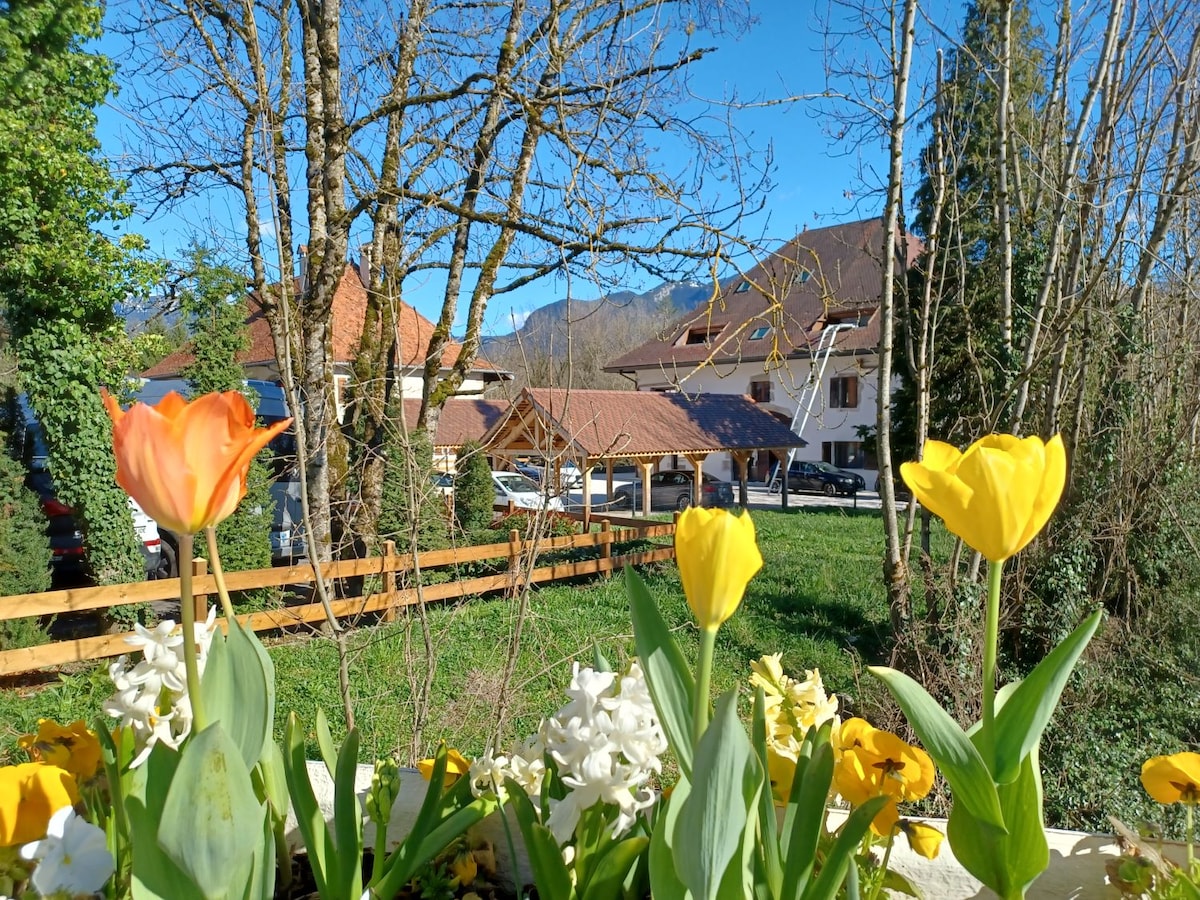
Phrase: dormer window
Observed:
(858, 319)
(759, 333)
(742, 288)
(805, 275)
(702, 335)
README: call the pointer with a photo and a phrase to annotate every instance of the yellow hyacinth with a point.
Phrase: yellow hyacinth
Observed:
(717, 557)
(1173, 779)
(73, 747)
(997, 495)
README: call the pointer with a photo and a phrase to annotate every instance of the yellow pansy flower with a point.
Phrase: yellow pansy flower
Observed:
(30, 794)
(924, 839)
(1172, 779)
(73, 747)
(717, 557)
(997, 495)
(456, 766)
(875, 763)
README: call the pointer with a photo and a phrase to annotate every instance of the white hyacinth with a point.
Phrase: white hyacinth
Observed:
(151, 696)
(605, 743)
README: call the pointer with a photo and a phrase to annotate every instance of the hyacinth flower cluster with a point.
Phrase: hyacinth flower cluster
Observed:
(605, 746)
(151, 697)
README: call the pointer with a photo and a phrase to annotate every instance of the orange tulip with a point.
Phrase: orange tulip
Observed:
(186, 463)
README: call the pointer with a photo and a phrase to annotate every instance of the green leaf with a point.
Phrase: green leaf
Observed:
(955, 755)
(271, 780)
(154, 876)
(322, 855)
(237, 694)
(613, 867)
(209, 812)
(348, 817)
(1006, 863)
(325, 744)
(804, 818)
(1024, 716)
(713, 821)
(550, 873)
(895, 882)
(599, 661)
(667, 674)
(768, 828)
(664, 879)
(840, 857)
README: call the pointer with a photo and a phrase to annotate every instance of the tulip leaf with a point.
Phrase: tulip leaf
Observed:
(309, 817)
(1006, 863)
(613, 867)
(839, 859)
(667, 674)
(209, 811)
(1026, 712)
(955, 755)
(348, 818)
(804, 818)
(154, 876)
(545, 857)
(708, 834)
(237, 692)
(664, 878)
(772, 866)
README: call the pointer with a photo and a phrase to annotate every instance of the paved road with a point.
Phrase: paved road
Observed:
(758, 496)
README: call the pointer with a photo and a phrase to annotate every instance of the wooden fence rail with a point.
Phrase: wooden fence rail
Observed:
(517, 551)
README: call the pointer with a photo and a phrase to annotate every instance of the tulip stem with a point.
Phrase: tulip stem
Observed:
(187, 615)
(214, 558)
(708, 640)
(991, 638)
(1190, 822)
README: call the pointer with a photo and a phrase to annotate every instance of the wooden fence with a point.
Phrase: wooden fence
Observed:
(517, 551)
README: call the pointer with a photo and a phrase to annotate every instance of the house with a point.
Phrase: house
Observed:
(798, 333)
(349, 311)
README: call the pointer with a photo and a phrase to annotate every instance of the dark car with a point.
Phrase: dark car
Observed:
(672, 489)
(823, 478)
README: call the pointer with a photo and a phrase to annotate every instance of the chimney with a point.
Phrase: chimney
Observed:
(303, 254)
(364, 264)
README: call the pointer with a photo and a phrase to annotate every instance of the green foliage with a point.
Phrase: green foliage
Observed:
(24, 553)
(409, 498)
(213, 301)
(474, 495)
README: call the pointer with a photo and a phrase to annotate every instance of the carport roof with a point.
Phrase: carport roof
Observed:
(631, 424)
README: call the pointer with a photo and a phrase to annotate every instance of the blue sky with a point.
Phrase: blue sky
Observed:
(818, 180)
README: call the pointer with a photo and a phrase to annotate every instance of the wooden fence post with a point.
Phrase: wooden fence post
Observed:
(389, 580)
(200, 601)
(606, 547)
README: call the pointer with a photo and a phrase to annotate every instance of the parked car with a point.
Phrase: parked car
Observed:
(824, 479)
(535, 469)
(900, 489)
(522, 492)
(672, 489)
(68, 553)
(442, 482)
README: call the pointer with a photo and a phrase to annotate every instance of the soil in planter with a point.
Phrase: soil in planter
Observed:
(304, 886)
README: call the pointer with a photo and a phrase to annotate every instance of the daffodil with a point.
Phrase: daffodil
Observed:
(30, 793)
(997, 495)
(1173, 779)
(456, 766)
(186, 463)
(73, 747)
(924, 839)
(717, 557)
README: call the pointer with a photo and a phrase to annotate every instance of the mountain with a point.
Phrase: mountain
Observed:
(546, 326)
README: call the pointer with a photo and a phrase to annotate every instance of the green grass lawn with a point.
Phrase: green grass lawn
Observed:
(819, 600)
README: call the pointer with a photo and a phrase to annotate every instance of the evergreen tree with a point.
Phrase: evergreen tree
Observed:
(213, 303)
(474, 496)
(408, 493)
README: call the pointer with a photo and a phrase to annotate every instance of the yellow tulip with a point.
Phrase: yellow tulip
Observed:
(456, 766)
(924, 839)
(1173, 779)
(186, 463)
(73, 747)
(717, 557)
(29, 795)
(997, 495)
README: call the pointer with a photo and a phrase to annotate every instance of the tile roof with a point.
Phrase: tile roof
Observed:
(463, 419)
(820, 276)
(349, 309)
(621, 424)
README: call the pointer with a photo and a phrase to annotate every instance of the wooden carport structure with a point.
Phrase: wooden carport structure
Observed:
(593, 428)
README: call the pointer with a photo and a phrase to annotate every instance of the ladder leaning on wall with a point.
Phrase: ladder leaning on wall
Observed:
(806, 398)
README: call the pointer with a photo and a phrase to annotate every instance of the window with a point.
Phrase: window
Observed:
(843, 392)
(854, 319)
(341, 391)
(805, 275)
(742, 288)
(844, 454)
(760, 332)
(760, 391)
(702, 335)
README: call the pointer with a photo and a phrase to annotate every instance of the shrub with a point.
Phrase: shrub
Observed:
(24, 552)
(474, 496)
(408, 494)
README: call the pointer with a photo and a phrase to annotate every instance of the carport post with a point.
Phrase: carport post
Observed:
(742, 458)
(697, 462)
(646, 467)
(783, 480)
